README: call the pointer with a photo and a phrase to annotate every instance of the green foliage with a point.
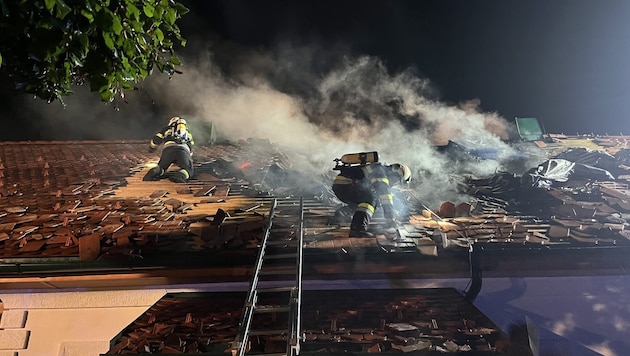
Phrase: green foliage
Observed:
(47, 46)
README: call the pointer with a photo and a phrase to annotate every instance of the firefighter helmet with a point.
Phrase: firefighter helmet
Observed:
(402, 171)
(176, 119)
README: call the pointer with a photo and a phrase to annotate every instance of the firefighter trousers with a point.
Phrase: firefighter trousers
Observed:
(362, 199)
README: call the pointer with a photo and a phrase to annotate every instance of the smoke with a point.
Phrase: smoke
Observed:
(317, 103)
(82, 116)
(319, 106)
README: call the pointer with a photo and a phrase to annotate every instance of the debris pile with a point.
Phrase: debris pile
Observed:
(577, 196)
(390, 321)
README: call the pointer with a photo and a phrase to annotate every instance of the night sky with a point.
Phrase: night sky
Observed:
(565, 62)
(562, 61)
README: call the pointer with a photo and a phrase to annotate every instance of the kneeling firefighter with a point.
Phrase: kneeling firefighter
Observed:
(363, 183)
(178, 145)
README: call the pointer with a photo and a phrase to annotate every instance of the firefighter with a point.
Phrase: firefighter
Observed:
(364, 187)
(177, 149)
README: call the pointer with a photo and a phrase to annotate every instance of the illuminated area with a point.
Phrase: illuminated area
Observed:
(514, 133)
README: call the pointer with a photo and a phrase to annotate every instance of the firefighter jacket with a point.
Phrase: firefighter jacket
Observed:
(167, 137)
(374, 177)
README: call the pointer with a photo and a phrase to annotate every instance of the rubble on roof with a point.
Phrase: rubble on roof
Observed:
(390, 321)
(577, 196)
(83, 201)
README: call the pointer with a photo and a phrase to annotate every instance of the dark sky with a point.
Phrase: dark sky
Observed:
(563, 61)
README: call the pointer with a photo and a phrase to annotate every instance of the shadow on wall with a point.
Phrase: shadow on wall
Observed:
(569, 315)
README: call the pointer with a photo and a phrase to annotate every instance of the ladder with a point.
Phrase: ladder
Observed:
(290, 262)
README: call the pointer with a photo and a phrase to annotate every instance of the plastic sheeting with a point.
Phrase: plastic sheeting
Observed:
(558, 170)
(561, 170)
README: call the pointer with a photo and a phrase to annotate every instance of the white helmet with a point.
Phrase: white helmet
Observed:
(403, 171)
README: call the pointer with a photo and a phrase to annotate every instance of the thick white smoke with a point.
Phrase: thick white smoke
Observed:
(350, 105)
(316, 104)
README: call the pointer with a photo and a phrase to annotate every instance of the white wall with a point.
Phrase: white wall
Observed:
(70, 323)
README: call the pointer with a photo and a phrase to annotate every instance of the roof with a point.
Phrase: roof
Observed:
(392, 321)
(81, 207)
(77, 214)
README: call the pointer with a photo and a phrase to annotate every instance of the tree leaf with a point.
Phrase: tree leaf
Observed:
(158, 13)
(102, 43)
(88, 15)
(104, 20)
(116, 25)
(62, 9)
(109, 42)
(107, 95)
(129, 47)
(159, 34)
(148, 10)
(170, 16)
(50, 4)
(181, 9)
(84, 41)
(132, 11)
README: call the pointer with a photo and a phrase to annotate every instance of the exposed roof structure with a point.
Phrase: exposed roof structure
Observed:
(81, 210)
(64, 202)
(391, 321)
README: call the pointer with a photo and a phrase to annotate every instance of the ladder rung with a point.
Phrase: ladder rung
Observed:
(268, 332)
(278, 271)
(275, 289)
(281, 255)
(272, 308)
(282, 242)
(277, 230)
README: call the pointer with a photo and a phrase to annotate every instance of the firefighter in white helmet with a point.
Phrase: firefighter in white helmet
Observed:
(364, 187)
(178, 145)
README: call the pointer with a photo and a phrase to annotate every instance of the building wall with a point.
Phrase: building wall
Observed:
(69, 323)
(581, 315)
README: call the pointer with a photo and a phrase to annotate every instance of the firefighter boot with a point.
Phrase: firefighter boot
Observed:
(153, 174)
(359, 225)
(343, 215)
(177, 177)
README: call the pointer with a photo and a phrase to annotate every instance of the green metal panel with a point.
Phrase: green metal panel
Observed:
(529, 128)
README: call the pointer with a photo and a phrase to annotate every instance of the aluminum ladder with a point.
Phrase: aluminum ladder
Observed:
(275, 239)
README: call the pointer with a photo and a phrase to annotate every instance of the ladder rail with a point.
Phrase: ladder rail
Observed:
(293, 331)
(295, 307)
(252, 294)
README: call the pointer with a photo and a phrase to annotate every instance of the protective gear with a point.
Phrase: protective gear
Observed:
(359, 158)
(153, 174)
(359, 225)
(176, 119)
(177, 132)
(178, 145)
(344, 214)
(177, 177)
(402, 171)
(364, 188)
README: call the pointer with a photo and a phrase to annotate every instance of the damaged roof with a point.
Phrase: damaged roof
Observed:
(389, 322)
(78, 207)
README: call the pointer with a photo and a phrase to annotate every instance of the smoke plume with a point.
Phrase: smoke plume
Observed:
(320, 106)
(316, 103)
